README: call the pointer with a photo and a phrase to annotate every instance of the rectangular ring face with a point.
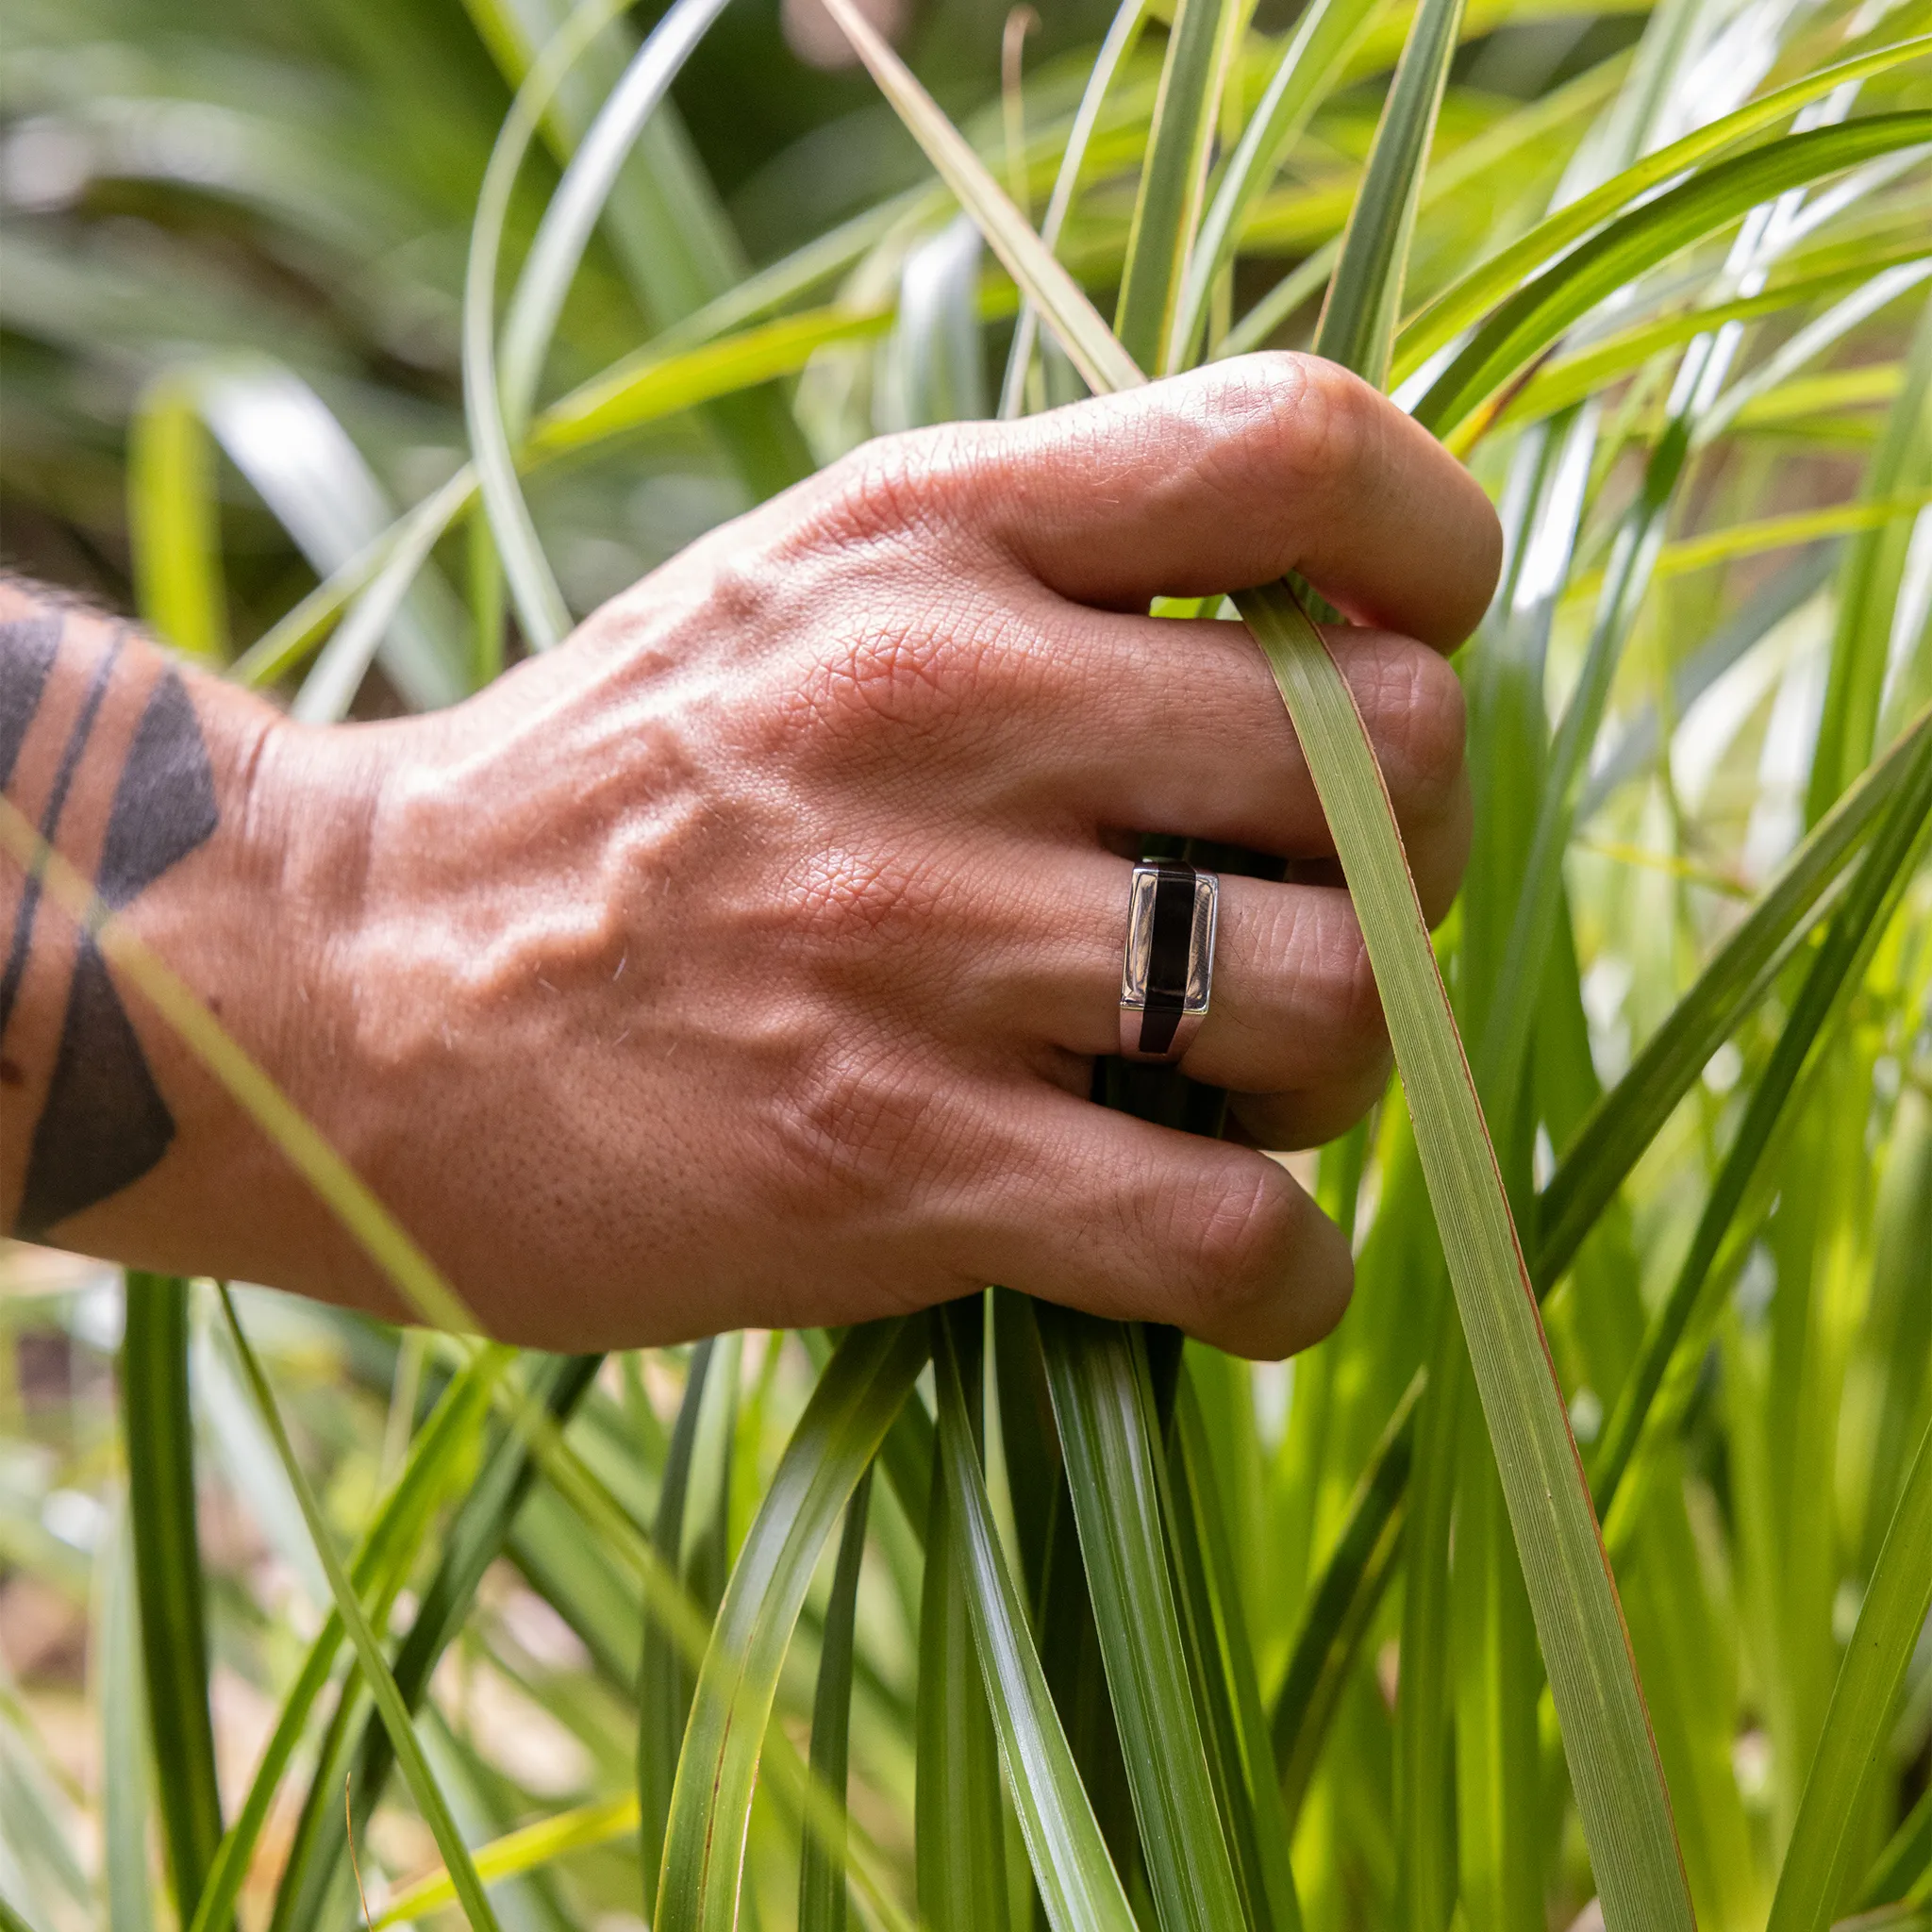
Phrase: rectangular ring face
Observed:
(1138, 956)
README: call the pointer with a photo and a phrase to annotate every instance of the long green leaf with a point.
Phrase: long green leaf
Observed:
(663, 1685)
(1855, 930)
(1614, 1764)
(1357, 326)
(1538, 312)
(378, 1571)
(1467, 298)
(822, 1886)
(159, 1429)
(1098, 1373)
(835, 1440)
(1819, 1872)
(423, 1787)
(1077, 1882)
(958, 1833)
(1174, 177)
(1312, 55)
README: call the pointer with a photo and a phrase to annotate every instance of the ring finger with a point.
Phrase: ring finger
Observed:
(1294, 1009)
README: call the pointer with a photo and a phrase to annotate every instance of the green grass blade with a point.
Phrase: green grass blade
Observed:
(1906, 1863)
(533, 588)
(159, 1428)
(476, 1536)
(1613, 1138)
(1173, 177)
(1089, 344)
(1855, 930)
(1313, 58)
(1618, 1781)
(822, 1884)
(1467, 298)
(663, 1685)
(836, 1438)
(958, 1832)
(1247, 1785)
(378, 1571)
(1122, 35)
(1357, 326)
(175, 520)
(1875, 564)
(395, 1715)
(1818, 1873)
(1343, 1603)
(1076, 1878)
(516, 1854)
(1101, 1398)
(579, 203)
(1525, 324)
(127, 1764)
(1613, 1760)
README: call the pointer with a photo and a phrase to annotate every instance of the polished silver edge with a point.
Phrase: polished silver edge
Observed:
(1139, 946)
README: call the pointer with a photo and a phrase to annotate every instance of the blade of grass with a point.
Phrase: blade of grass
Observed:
(663, 1684)
(1076, 1878)
(515, 1854)
(175, 520)
(1538, 312)
(127, 1761)
(476, 1535)
(1818, 1871)
(1104, 1405)
(159, 1429)
(1905, 1865)
(423, 1787)
(836, 1438)
(533, 588)
(1246, 1784)
(1614, 1764)
(1839, 964)
(1357, 326)
(822, 1884)
(1874, 565)
(1466, 299)
(378, 1571)
(958, 1833)
(1173, 177)
(1312, 56)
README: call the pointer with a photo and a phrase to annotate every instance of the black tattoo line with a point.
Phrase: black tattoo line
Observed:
(50, 824)
(104, 1124)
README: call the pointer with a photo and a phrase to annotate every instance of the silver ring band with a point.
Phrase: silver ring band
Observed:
(1167, 969)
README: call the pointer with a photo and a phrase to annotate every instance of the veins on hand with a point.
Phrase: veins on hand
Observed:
(101, 1121)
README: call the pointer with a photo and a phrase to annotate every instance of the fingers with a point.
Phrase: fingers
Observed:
(1233, 475)
(1177, 729)
(1106, 1214)
(1295, 1019)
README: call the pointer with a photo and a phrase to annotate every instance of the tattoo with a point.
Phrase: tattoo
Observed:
(103, 1123)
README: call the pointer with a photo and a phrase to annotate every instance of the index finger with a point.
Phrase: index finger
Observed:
(1238, 473)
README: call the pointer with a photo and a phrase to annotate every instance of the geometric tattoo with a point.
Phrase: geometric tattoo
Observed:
(104, 1124)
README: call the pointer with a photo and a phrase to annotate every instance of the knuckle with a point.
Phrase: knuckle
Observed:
(857, 1118)
(1239, 1231)
(917, 483)
(849, 899)
(1418, 719)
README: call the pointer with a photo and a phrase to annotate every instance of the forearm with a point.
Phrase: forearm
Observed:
(174, 796)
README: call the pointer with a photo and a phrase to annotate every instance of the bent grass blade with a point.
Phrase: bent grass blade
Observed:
(408, 1749)
(1076, 1878)
(843, 1424)
(1618, 1780)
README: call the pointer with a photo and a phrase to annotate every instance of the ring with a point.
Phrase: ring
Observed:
(1167, 970)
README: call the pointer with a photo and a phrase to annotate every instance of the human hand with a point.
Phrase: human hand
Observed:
(742, 962)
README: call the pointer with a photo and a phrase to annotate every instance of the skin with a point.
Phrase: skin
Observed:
(742, 961)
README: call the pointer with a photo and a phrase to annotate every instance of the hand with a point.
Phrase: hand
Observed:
(742, 961)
